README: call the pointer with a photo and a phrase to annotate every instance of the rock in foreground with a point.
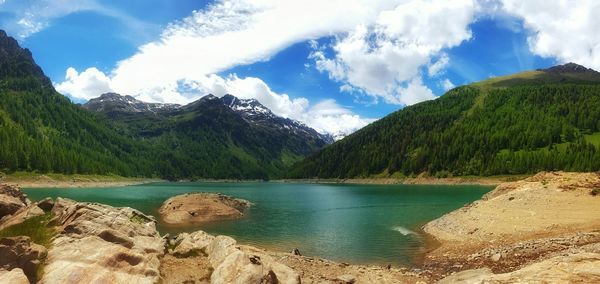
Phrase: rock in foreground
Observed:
(102, 244)
(12, 199)
(195, 208)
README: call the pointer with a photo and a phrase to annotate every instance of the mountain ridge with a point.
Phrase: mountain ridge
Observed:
(250, 109)
(43, 131)
(516, 124)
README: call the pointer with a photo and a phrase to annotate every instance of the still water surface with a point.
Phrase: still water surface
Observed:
(350, 223)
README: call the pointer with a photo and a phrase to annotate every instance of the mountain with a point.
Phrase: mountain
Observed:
(17, 65)
(42, 131)
(545, 119)
(254, 112)
(212, 137)
(112, 103)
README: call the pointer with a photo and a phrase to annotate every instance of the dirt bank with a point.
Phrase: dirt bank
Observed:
(519, 224)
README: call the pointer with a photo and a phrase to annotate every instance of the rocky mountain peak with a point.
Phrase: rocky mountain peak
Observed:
(570, 68)
(246, 107)
(110, 102)
(255, 112)
(17, 62)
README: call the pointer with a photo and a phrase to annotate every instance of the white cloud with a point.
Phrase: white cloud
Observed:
(32, 16)
(379, 49)
(85, 85)
(447, 85)
(436, 67)
(414, 92)
(232, 33)
(383, 56)
(325, 116)
(566, 30)
(329, 117)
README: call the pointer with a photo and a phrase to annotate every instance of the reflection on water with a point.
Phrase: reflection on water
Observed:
(350, 223)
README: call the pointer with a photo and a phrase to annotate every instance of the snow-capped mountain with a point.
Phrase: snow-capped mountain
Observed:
(113, 102)
(254, 112)
(250, 110)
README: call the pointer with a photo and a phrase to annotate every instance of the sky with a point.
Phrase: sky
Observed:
(334, 65)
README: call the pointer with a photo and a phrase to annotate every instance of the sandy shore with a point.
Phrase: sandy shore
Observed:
(422, 179)
(519, 225)
(43, 181)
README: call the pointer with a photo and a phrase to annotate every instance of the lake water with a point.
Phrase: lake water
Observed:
(375, 224)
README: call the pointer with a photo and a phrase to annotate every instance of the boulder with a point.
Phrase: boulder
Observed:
(102, 244)
(45, 204)
(241, 267)
(21, 253)
(15, 276)
(195, 208)
(193, 243)
(237, 267)
(232, 263)
(12, 199)
(346, 279)
(219, 248)
(20, 216)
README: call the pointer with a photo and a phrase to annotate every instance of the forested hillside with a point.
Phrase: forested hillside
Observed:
(42, 131)
(524, 123)
(208, 138)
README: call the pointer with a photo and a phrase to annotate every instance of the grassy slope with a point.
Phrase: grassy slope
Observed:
(344, 150)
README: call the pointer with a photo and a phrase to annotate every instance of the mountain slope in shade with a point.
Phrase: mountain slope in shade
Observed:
(522, 123)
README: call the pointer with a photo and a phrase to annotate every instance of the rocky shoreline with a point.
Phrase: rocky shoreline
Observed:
(544, 228)
(96, 243)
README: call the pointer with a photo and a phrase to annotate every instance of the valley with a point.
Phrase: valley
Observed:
(266, 142)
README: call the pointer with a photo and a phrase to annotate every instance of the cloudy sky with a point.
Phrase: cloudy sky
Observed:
(335, 65)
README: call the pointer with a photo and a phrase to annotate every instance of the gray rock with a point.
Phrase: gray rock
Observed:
(496, 257)
(346, 278)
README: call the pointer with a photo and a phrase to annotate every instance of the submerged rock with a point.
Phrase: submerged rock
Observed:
(194, 208)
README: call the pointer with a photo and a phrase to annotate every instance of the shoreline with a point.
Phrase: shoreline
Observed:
(520, 230)
(34, 181)
(421, 180)
(30, 180)
(543, 227)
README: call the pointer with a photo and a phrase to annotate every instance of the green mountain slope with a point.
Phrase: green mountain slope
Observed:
(42, 131)
(208, 138)
(524, 123)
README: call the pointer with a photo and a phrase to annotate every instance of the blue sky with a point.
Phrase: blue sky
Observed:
(335, 66)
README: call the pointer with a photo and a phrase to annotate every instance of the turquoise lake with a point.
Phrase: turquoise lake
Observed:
(374, 224)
